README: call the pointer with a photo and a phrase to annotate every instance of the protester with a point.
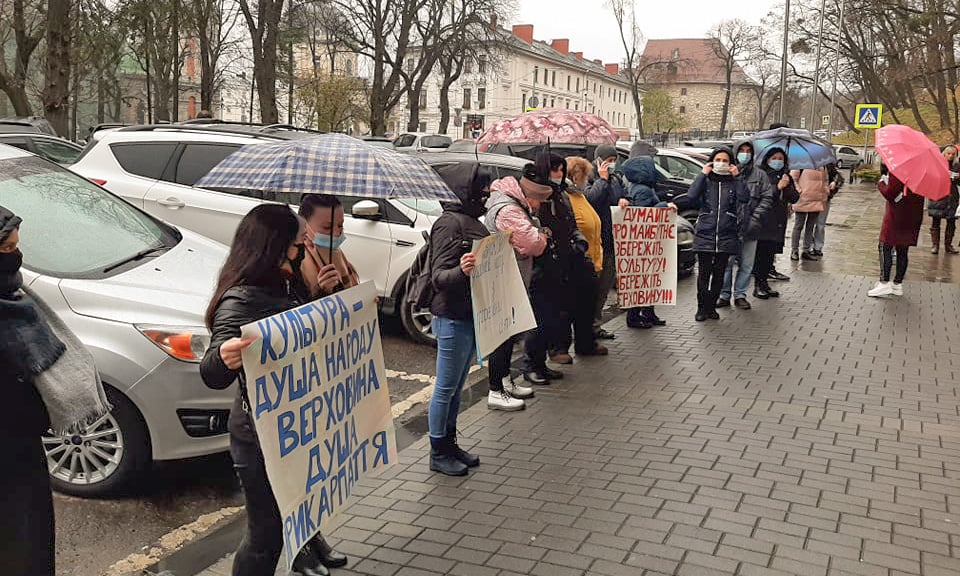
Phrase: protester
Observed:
(752, 216)
(719, 193)
(549, 293)
(583, 271)
(323, 214)
(50, 382)
(834, 183)
(605, 191)
(510, 209)
(451, 263)
(641, 175)
(946, 208)
(812, 184)
(900, 230)
(258, 279)
(774, 274)
(774, 227)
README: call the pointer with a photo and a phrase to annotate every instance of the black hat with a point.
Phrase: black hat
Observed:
(605, 151)
(8, 223)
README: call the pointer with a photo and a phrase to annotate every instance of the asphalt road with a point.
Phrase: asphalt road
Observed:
(93, 535)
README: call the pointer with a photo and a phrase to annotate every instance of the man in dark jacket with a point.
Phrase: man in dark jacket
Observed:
(604, 192)
(751, 217)
(774, 226)
(26, 529)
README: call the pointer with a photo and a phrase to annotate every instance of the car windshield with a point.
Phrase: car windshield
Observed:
(436, 142)
(72, 228)
(428, 207)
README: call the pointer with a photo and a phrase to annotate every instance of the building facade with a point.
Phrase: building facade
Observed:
(522, 74)
(692, 72)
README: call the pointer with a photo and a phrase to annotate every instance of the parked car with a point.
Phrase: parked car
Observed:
(34, 124)
(380, 141)
(155, 167)
(134, 290)
(847, 156)
(63, 152)
(742, 134)
(464, 145)
(420, 142)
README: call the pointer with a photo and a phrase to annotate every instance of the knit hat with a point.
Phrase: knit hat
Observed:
(605, 151)
(8, 223)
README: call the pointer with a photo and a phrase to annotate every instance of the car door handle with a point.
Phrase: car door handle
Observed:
(171, 202)
(404, 243)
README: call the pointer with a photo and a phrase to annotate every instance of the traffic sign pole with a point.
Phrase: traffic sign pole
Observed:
(866, 138)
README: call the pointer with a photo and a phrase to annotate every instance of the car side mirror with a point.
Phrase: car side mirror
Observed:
(366, 210)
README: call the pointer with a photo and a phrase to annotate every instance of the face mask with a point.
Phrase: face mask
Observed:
(298, 259)
(776, 165)
(323, 241)
(743, 157)
(10, 278)
(557, 181)
(721, 167)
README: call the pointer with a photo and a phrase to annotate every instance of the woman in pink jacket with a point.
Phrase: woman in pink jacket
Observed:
(814, 189)
(511, 208)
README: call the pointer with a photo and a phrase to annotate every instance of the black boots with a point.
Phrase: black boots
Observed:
(328, 556)
(935, 240)
(762, 290)
(443, 458)
(307, 562)
(460, 454)
(948, 242)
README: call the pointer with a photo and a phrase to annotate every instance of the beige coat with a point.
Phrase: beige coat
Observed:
(813, 186)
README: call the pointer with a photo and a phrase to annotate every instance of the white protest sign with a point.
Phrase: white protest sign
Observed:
(501, 306)
(645, 241)
(317, 391)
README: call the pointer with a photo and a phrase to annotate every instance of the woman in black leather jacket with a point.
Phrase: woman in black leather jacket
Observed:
(259, 279)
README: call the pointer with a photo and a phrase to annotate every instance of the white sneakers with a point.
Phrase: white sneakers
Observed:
(886, 289)
(503, 401)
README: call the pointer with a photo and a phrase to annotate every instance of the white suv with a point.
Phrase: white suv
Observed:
(155, 167)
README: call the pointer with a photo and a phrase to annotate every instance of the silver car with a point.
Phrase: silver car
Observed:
(134, 290)
(847, 157)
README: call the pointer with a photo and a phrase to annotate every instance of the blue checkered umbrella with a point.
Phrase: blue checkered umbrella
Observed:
(327, 164)
(804, 150)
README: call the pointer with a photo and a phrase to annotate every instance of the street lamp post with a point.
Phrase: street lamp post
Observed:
(836, 71)
(816, 71)
(783, 60)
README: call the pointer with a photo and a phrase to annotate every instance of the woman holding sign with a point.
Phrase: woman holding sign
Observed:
(257, 280)
(451, 262)
(719, 193)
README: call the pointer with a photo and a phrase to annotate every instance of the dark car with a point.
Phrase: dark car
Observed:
(29, 124)
(63, 152)
(512, 165)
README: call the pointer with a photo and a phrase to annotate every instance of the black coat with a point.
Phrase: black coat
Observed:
(946, 207)
(759, 208)
(238, 307)
(603, 195)
(566, 251)
(775, 225)
(718, 226)
(452, 236)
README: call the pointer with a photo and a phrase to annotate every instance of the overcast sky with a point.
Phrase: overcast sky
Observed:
(590, 26)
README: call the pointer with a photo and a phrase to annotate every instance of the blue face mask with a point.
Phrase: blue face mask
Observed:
(776, 165)
(323, 241)
(743, 157)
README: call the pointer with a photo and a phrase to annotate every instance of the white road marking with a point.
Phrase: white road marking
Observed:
(420, 396)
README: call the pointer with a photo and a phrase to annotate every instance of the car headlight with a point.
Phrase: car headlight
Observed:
(684, 237)
(187, 343)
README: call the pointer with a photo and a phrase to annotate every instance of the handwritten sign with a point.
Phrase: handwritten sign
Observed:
(645, 240)
(317, 390)
(501, 306)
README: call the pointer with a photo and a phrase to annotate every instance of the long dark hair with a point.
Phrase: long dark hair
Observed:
(259, 247)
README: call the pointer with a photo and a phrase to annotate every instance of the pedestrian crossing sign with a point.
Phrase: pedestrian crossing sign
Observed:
(868, 115)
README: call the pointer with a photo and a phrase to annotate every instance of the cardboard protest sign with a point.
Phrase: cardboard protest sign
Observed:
(317, 391)
(645, 243)
(501, 306)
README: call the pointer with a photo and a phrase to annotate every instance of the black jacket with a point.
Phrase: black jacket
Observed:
(239, 306)
(759, 209)
(602, 195)
(566, 248)
(718, 227)
(946, 207)
(452, 236)
(775, 226)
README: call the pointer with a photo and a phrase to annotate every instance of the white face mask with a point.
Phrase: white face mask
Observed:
(721, 167)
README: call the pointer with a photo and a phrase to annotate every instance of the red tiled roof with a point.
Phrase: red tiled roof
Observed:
(686, 61)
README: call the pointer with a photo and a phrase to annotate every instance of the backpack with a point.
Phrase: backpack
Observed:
(419, 285)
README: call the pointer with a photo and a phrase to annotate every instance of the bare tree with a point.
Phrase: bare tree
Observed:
(732, 39)
(214, 22)
(624, 12)
(264, 34)
(56, 88)
(24, 22)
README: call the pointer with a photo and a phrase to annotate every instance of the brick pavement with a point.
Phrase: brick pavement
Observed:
(817, 435)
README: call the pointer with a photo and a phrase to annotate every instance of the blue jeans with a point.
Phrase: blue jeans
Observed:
(456, 351)
(744, 262)
(821, 230)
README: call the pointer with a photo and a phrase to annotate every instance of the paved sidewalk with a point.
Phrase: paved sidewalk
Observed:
(817, 434)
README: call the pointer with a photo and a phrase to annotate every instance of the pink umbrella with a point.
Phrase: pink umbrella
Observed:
(554, 126)
(914, 160)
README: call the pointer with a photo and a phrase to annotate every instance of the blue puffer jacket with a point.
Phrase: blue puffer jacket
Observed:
(718, 226)
(642, 176)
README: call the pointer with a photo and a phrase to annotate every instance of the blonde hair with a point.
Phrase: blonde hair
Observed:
(578, 170)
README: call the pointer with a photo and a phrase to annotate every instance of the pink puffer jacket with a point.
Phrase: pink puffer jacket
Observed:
(508, 210)
(813, 186)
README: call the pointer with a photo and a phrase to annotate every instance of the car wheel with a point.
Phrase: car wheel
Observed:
(839, 163)
(103, 458)
(417, 323)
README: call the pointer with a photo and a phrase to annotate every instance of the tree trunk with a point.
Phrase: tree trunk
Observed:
(726, 97)
(378, 120)
(56, 90)
(101, 97)
(175, 85)
(444, 109)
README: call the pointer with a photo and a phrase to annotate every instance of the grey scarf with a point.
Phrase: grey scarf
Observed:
(71, 388)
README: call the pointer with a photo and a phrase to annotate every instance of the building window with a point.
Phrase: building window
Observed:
(466, 98)
(423, 98)
(553, 102)
(468, 65)
(676, 53)
(482, 66)
(576, 106)
(683, 109)
(546, 76)
(423, 127)
(578, 84)
(683, 91)
(348, 67)
(697, 106)
(481, 98)
(553, 79)
(568, 82)
(410, 64)
(523, 101)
